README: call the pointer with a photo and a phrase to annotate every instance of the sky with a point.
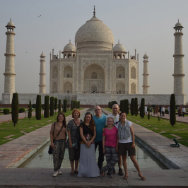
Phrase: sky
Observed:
(144, 25)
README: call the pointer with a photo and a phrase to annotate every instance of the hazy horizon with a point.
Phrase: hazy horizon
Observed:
(145, 25)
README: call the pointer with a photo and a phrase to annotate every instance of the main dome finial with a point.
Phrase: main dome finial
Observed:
(94, 11)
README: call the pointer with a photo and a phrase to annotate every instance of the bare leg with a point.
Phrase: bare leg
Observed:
(72, 166)
(137, 167)
(120, 161)
(76, 166)
(125, 165)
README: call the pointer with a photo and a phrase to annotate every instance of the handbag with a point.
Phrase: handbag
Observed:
(50, 149)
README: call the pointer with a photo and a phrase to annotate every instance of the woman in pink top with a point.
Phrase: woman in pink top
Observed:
(109, 146)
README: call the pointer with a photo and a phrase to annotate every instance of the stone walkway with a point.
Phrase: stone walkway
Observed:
(23, 147)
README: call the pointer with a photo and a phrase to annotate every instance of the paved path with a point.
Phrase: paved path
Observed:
(178, 118)
(13, 151)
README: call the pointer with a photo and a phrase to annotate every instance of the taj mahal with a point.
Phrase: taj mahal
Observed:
(94, 70)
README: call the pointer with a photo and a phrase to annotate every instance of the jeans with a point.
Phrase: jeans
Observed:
(101, 155)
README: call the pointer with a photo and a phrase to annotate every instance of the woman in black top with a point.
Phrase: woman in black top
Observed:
(88, 166)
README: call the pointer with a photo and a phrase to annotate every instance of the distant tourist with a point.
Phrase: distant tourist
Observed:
(163, 110)
(115, 116)
(146, 110)
(73, 130)
(109, 147)
(100, 122)
(183, 111)
(88, 166)
(126, 144)
(58, 138)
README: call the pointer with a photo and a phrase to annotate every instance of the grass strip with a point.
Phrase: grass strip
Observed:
(8, 132)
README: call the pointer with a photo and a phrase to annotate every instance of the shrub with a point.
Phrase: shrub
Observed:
(55, 104)
(14, 108)
(51, 106)
(59, 106)
(38, 107)
(136, 106)
(6, 111)
(142, 106)
(64, 105)
(46, 107)
(29, 110)
(132, 106)
(172, 110)
(21, 110)
(111, 103)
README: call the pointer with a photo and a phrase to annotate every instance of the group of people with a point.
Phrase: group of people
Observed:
(112, 135)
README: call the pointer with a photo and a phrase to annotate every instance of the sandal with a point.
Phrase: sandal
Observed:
(125, 177)
(142, 177)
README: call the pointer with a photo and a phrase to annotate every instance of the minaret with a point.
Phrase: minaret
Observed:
(9, 81)
(178, 60)
(145, 75)
(42, 74)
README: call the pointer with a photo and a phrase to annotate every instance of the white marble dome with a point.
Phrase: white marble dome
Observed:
(69, 47)
(119, 48)
(94, 34)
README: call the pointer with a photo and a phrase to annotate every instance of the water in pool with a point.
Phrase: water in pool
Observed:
(43, 160)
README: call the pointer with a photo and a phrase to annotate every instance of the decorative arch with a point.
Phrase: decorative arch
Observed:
(120, 88)
(68, 87)
(120, 72)
(133, 88)
(68, 72)
(133, 73)
(94, 79)
(54, 72)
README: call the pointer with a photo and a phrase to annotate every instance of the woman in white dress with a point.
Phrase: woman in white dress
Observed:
(88, 166)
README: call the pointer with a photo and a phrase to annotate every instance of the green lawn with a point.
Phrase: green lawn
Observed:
(163, 127)
(8, 132)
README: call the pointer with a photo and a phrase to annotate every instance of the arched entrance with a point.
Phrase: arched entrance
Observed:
(94, 79)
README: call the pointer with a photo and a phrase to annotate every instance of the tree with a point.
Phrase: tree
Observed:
(55, 104)
(29, 110)
(38, 107)
(172, 110)
(46, 107)
(64, 105)
(127, 106)
(59, 106)
(122, 105)
(132, 107)
(142, 108)
(14, 108)
(111, 103)
(135, 106)
(51, 106)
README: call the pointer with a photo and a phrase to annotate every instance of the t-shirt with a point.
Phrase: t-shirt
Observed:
(58, 132)
(124, 132)
(110, 136)
(100, 123)
(87, 131)
(115, 117)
